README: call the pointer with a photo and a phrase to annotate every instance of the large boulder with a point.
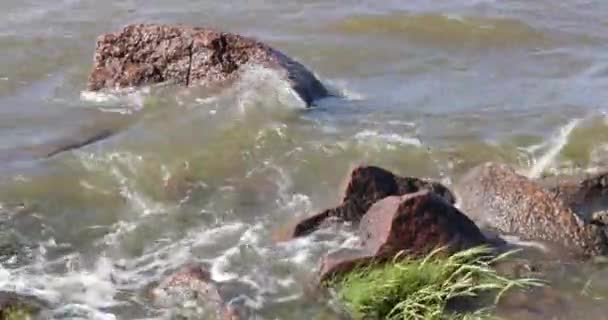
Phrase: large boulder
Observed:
(495, 196)
(415, 223)
(367, 185)
(145, 54)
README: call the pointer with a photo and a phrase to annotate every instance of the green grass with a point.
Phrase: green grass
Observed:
(422, 288)
(17, 312)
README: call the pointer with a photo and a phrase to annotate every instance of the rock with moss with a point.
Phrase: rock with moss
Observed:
(495, 196)
(145, 54)
(367, 185)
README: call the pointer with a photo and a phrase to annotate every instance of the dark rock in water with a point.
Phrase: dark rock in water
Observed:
(417, 223)
(585, 195)
(367, 185)
(414, 223)
(495, 196)
(15, 306)
(194, 283)
(146, 54)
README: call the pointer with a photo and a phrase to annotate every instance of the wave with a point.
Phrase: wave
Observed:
(555, 146)
(443, 29)
(388, 139)
(257, 87)
(118, 101)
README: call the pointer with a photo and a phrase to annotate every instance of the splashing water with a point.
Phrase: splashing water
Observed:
(556, 145)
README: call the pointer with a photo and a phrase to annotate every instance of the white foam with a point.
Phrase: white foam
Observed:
(122, 166)
(119, 101)
(390, 138)
(555, 147)
(93, 288)
(260, 87)
(408, 124)
(341, 89)
(219, 267)
(524, 243)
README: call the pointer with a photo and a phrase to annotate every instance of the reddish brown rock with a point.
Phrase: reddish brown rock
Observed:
(417, 223)
(414, 223)
(342, 261)
(586, 195)
(194, 283)
(495, 196)
(367, 185)
(146, 54)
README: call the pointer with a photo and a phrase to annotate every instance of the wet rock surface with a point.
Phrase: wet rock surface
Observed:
(146, 54)
(417, 223)
(586, 195)
(414, 223)
(367, 185)
(193, 283)
(495, 196)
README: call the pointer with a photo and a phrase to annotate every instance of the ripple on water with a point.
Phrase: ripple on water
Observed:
(443, 29)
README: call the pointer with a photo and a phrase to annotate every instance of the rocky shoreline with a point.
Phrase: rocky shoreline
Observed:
(393, 216)
(397, 215)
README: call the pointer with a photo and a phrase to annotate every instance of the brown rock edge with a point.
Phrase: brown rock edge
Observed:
(414, 224)
(366, 186)
(586, 195)
(145, 54)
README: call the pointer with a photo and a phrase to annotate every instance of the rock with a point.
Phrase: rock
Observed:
(495, 196)
(415, 223)
(194, 283)
(586, 195)
(366, 185)
(146, 54)
(342, 261)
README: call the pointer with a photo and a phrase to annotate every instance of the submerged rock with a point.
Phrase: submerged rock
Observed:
(414, 223)
(495, 196)
(194, 283)
(146, 54)
(367, 185)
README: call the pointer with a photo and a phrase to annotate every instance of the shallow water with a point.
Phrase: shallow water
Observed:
(426, 89)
